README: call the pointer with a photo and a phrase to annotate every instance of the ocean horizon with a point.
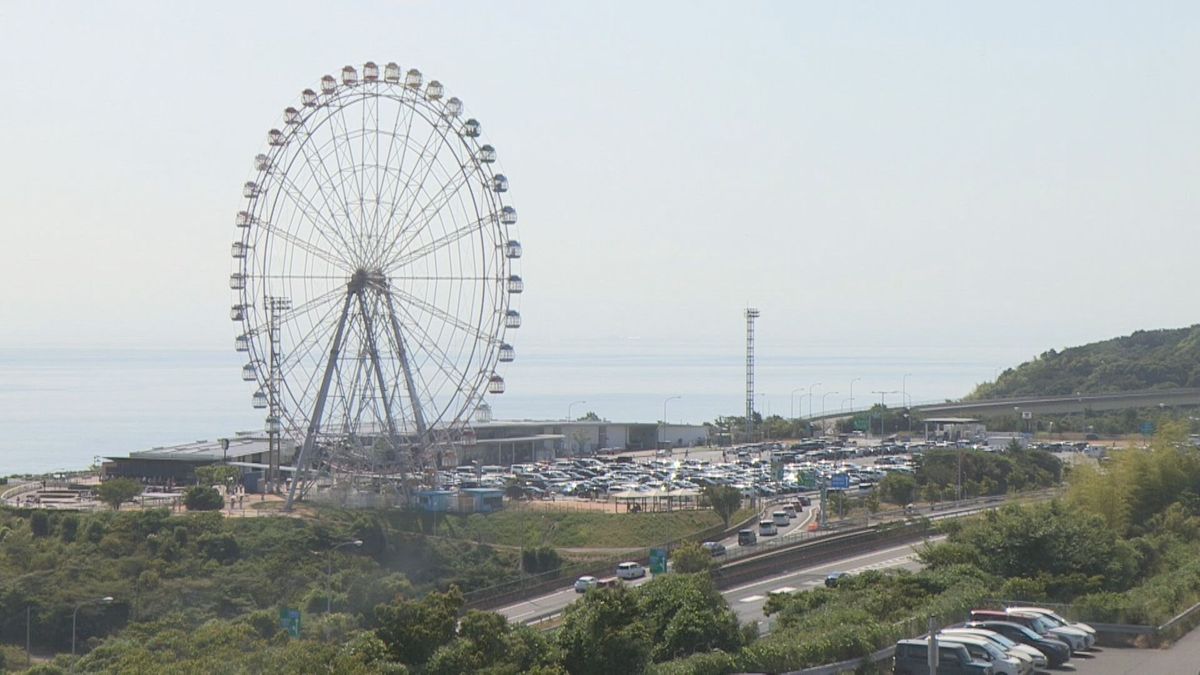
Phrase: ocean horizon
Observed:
(62, 409)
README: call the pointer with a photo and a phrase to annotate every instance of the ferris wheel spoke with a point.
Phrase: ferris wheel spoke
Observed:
(315, 216)
(333, 185)
(353, 170)
(429, 345)
(434, 132)
(414, 228)
(400, 109)
(446, 239)
(438, 313)
(305, 246)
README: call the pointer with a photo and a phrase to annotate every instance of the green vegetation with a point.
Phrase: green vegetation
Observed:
(1144, 360)
(203, 498)
(560, 529)
(117, 491)
(724, 501)
(982, 473)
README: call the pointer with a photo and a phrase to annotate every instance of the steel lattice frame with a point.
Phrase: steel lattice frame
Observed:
(377, 214)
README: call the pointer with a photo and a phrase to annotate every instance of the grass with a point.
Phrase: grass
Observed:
(562, 530)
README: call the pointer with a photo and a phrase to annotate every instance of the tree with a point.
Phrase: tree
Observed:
(684, 614)
(589, 417)
(117, 491)
(414, 629)
(217, 474)
(691, 558)
(602, 633)
(898, 488)
(724, 500)
(203, 498)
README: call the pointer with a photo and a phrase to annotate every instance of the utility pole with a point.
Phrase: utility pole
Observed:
(882, 408)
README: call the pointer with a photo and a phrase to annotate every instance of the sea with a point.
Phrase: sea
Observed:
(66, 409)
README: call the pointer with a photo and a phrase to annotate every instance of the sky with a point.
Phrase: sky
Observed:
(900, 177)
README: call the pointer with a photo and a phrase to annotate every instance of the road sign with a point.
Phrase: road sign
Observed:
(862, 423)
(1026, 414)
(289, 620)
(840, 482)
(1147, 428)
(658, 560)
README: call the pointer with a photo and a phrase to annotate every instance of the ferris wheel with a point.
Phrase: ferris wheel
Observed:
(374, 273)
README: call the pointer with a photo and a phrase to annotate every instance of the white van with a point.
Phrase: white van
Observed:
(780, 518)
(630, 570)
(767, 528)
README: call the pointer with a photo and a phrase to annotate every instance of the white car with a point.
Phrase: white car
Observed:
(582, 584)
(630, 570)
(1077, 639)
(1059, 620)
(983, 650)
(1035, 656)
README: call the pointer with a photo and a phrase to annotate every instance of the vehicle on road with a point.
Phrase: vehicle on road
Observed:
(630, 570)
(780, 518)
(582, 584)
(766, 528)
(791, 510)
(715, 548)
(983, 650)
(747, 538)
(912, 658)
(833, 578)
(1035, 658)
(1056, 651)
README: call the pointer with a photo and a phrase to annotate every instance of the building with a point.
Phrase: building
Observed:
(953, 429)
(177, 464)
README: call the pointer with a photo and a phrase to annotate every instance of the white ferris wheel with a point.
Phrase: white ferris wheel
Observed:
(374, 275)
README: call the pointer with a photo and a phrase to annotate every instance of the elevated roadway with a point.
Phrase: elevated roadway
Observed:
(1064, 404)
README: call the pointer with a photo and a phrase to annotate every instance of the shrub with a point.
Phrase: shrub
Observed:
(203, 498)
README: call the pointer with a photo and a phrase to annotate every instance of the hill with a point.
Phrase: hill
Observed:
(1147, 359)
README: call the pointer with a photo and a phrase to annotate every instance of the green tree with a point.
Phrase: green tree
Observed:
(217, 474)
(414, 629)
(203, 498)
(898, 488)
(684, 614)
(117, 491)
(602, 633)
(724, 500)
(691, 558)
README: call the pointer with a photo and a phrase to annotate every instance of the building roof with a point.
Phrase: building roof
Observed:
(240, 445)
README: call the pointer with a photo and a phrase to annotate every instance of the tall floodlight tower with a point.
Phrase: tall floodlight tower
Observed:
(751, 315)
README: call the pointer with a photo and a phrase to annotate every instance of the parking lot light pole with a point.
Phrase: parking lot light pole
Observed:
(852, 392)
(823, 409)
(810, 397)
(662, 425)
(75, 615)
(329, 571)
(794, 401)
(572, 405)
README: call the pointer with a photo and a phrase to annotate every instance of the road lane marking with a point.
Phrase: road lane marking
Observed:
(753, 598)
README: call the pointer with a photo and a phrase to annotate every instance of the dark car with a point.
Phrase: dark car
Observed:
(1057, 652)
(834, 577)
(714, 547)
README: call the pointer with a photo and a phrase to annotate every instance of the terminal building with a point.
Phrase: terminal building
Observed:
(494, 442)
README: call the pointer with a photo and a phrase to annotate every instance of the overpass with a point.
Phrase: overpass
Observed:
(1064, 404)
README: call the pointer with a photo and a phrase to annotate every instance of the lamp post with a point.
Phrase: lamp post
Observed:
(794, 401)
(662, 425)
(572, 405)
(904, 389)
(852, 392)
(883, 408)
(329, 571)
(75, 615)
(810, 399)
(823, 427)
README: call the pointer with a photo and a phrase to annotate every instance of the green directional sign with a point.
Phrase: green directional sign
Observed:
(289, 620)
(658, 560)
(862, 423)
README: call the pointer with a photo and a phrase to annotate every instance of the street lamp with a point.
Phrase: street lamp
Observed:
(329, 571)
(810, 388)
(75, 615)
(571, 405)
(852, 392)
(794, 401)
(662, 425)
(823, 401)
(904, 389)
(883, 409)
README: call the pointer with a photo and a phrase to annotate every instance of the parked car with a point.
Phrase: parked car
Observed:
(983, 650)
(1058, 619)
(912, 658)
(630, 570)
(1035, 658)
(584, 583)
(832, 579)
(767, 528)
(715, 548)
(1056, 651)
(747, 538)
(780, 518)
(1076, 639)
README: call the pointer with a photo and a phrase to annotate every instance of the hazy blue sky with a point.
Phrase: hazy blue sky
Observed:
(1018, 174)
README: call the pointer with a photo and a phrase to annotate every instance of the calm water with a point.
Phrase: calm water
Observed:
(59, 409)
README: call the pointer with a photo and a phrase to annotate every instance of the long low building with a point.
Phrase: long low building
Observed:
(489, 442)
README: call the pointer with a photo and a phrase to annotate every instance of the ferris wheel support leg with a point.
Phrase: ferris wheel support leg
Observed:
(314, 423)
(418, 415)
(374, 353)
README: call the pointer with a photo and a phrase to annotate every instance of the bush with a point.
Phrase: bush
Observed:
(540, 559)
(39, 523)
(203, 498)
